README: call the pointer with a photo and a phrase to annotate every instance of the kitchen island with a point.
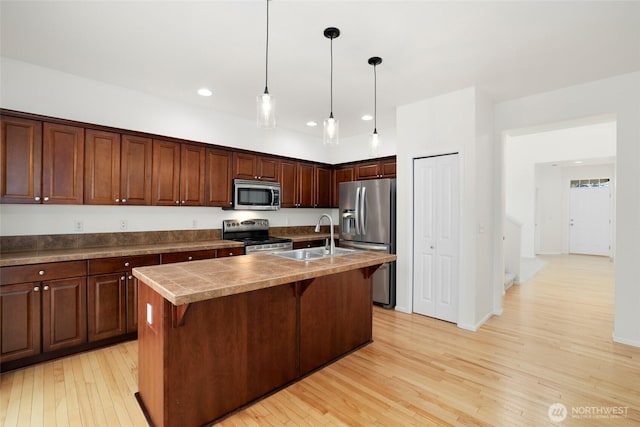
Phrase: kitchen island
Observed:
(215, 335)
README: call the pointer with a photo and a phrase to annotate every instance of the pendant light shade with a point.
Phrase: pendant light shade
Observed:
(266, 103)
(331, 124)
(374, 142)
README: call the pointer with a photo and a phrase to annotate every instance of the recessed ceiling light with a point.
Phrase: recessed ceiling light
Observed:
(577, 162)
(204, 92)
(312, 124)
(367, 117)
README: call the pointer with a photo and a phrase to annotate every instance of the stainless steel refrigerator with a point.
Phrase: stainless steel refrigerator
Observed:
(368, 221)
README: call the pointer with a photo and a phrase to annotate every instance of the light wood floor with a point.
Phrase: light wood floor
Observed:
(552, 344)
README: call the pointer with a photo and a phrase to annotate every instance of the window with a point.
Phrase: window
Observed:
(593, 182)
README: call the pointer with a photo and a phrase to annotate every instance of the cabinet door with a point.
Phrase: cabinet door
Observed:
(322, 184)
(132, 303)
(101, 168)
(306, 190)
(388, 168)
(106, 309)
(20, 160)
(166, 173)
(244, 166)
(20, 315)
(268, 168)
(288, 184)
(64, 313)
(368, 170)
(135, 170)
(218, 177)
(344, 174)
(62, 164)
(192, 161)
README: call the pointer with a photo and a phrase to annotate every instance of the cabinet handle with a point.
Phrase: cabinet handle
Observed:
(41, 273)
(37, 199)
(130, 277)
(46, 288)
(190, 258)
(122, 278)
(117, 200)
(126, 264)
(259, 177)
(182, 202)
(177, 202)
(124, 200)
(36, 289)
(230, 253)
(46, 199)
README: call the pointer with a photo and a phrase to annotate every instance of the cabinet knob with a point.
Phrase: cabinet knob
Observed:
(230, 253)
(124, 200)
(130, 277)
(122, 278)
(190, 258)
(126, 264)
(36, 288)
(182, 202)
(177, 202)
(37, 199)
(46, 288)
(46, 199)
(41, 273)
(231, 203)
(117, 200)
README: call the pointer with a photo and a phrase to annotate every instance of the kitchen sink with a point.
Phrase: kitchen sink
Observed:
(312, 253)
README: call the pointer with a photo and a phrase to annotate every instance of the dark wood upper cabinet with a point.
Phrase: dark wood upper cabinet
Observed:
(135, 170)
(256, 167)
(166, 173)
(384, 168)
(62, 164)
(288, 184)
(306, 189)
(192, 173)
(218, 177)
(341, 174)
(388, 168)
(101, 168)
(20, 160)
(322, 184)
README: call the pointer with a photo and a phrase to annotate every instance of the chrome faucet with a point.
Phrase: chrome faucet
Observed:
(332, 245)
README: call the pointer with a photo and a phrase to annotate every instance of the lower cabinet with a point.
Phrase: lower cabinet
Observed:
(39, 317)
(113, 295)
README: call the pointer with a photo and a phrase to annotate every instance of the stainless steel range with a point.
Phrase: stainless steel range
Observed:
(255, 235)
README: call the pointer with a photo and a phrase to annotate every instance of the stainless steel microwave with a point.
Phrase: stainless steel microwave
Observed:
(256, 195)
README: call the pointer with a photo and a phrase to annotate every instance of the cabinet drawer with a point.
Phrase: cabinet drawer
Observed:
(40, 272)
(188, 256)
(118, 264)
(308, 244)
(221, 253)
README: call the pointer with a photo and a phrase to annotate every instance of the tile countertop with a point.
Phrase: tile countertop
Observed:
(195, 281)
(37, 257)
(305, 237)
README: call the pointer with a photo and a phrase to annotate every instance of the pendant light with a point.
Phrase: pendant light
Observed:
(331, 125)
(375, 139)
(266, 103)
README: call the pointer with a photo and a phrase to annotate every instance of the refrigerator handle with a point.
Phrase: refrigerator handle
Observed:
(363, 211)
(357, 211)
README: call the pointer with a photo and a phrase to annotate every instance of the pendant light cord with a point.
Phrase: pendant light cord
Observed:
(375, 101)
(266, 61)
(331, 81)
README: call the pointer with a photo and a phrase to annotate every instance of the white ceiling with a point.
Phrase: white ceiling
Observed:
(172, 48)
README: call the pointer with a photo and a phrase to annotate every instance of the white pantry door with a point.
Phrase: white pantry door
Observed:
(435, 242)
(590, 220)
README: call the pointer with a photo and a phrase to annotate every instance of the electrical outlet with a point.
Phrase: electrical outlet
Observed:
(123, 224)
(195, 223)
(78, 225)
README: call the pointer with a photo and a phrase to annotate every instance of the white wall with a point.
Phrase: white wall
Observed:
(34, 89)
(357, 147)
(440, 125)
(522, 152)
(553, 189)
(618, 96)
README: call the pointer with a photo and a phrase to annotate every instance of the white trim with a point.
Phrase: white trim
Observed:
(626, 341)
(474, 328)
(403, 309)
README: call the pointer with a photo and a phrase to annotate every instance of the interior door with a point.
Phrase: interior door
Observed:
(436, 229)
(590, 220)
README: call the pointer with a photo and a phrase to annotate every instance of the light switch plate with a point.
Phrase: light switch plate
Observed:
(149, 314)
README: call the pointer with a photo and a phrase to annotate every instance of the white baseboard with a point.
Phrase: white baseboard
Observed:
(634, 343)
(549, 253)
(403, 309)
(474, 328)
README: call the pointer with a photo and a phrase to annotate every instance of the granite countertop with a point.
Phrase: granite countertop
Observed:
(305, 237)
(58, 255)
(195, 281)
